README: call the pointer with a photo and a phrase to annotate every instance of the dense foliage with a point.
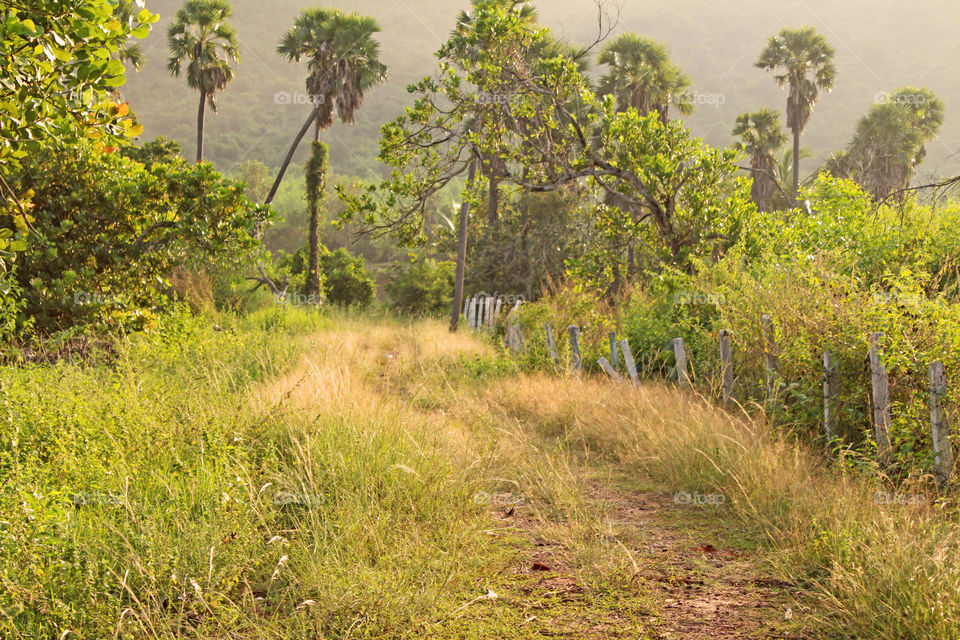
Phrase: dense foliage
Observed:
(421, 287)
(112, 263)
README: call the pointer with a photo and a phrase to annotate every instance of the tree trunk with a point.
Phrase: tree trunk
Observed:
(462, 253)
(493, 200)
(316, 182)
(290, 154)
(796, 165)
(201, 116)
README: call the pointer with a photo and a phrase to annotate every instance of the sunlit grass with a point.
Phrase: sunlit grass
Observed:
(305, 475)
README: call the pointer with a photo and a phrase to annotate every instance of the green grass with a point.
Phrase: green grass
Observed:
(311, 475)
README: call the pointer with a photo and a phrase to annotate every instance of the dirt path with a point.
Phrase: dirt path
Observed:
(707, 587)
(694, 580)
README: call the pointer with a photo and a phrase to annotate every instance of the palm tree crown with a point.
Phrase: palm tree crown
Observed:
(761, 138)
(202, 37)
(642, 76)
(342, 56)
(803, 61)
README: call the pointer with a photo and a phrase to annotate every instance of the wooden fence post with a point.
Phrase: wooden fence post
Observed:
(466, 311)
(552, 345)
(829, 393)
(496, 311)
(881, 399)
(942, 447)
(575, 362)
(770, 355)
(609, 370)
(489, 311)
(680, 356)
(726, 365)
(471, 311)
(628, 360)
(614, 360)
(513, 336)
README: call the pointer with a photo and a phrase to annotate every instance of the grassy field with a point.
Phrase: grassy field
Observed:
(295, 475)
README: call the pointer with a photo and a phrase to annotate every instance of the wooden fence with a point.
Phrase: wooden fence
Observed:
(482, 312)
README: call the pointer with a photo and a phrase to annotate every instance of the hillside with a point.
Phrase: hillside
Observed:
(716, 43)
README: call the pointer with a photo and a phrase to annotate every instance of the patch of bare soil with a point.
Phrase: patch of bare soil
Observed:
(706, 588)
(696, 583)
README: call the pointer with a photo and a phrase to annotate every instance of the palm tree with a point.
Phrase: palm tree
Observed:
(641, 76)
(343, 61)
(761, 138)
(785, 166)
(804, 61)
(890, 142)
(926, 113)
(202, 38)
(343, 64)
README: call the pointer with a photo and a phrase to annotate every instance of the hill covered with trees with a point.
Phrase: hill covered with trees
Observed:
(881, 46)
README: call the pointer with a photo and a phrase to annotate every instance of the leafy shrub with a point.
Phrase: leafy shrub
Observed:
(570, 305)
(421, 287)
(110, 265)
(347, 281)
(11, 303)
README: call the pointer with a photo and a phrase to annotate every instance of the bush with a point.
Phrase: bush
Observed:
(110, 266)
(11, 304)
(421, 287)
(347, 281)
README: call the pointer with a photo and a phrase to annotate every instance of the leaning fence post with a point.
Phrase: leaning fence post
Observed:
(881, 398)
(942, 449)
(613, 350)
(770, 355)
(552, 345)
(829, 393)
(680, 357)
(575, 362)
(609, 370)
(628, 360)
(726, 365)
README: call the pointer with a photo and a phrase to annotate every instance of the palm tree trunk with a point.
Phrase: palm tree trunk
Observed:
(290, 154)
(316, 186)
(313, 258)
(201, 117)
(796, 165)
(462, 253)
